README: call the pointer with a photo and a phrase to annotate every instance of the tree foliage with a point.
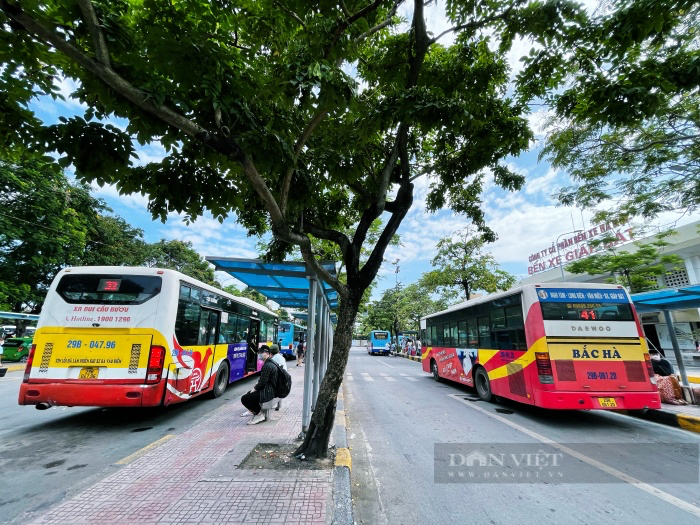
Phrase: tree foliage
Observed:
(462, 266)
(180, 256)
(259, 114)
(253, 295)
(400, 308)
(47, 223)
(628, 127)
(637, 270)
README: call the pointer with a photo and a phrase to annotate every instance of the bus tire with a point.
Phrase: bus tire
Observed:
(221, 380)
(482, 384)
(434, 370)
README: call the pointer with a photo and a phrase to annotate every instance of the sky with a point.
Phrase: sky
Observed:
(526, 221)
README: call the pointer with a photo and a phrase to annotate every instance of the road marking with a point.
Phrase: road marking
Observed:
(665, 496)
(382, 362)
(139, 453)
(389, 378)
(412, 379)
(404, 375)
(383, 374)
(350, 378)
(367, 377)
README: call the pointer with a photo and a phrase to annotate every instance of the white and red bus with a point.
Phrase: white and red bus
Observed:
(135, 337)
(562, 346)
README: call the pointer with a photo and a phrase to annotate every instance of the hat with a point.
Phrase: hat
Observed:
(274, 349)
(264, 348)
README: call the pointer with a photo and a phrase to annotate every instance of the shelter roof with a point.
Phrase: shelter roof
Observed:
(667, 299)
(285, 283)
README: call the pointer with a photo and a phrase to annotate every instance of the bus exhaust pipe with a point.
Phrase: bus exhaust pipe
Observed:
(42, 406)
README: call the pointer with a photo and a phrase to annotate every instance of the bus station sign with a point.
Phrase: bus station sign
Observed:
(576, 247)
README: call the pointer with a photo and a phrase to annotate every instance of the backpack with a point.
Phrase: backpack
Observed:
(284, 382)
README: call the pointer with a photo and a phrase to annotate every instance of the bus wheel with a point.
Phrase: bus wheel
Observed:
(434, 369)
(482, 384)
(221, 381)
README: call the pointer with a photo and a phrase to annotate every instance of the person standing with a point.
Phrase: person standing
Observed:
(300, 353)
(419, 348)
(2, 342)
(264, 390)
(282, 362)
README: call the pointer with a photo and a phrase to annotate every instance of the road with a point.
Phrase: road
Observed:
(613, 469)
(48, 455)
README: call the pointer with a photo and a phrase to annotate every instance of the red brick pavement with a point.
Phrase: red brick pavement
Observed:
(193, 478)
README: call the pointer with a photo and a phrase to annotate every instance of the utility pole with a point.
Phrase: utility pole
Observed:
(396, 303)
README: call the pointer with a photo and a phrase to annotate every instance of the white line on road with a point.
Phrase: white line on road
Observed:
(383, 374)
(382, 362)
(389, 378)
(412, 379)
(367, 377)
(665, 496)
(404, 375)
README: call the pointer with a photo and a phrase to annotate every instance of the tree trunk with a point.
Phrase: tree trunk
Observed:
(315, 445)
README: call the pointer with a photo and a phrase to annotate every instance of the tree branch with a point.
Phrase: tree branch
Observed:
(104, 73)
(381, 26)
(331, 235)
(477, 24)
(301, 141)
(291, 13)
(648, 145)
(93, 24)
(350, 20)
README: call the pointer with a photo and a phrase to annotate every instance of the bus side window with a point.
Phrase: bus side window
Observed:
(187, 323)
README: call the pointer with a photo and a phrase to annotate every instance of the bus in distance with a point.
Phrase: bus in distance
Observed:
(135, 337)
(378, 342)
(289, 336)
(557, 345)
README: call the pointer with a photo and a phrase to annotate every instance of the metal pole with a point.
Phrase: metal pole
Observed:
(561, 264)
(317, 348)
(309, 359)
(676, 348)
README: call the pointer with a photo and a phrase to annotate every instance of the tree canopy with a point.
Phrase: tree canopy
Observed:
(180, 256)
(309, 120)
(462, 266)
(627, 129)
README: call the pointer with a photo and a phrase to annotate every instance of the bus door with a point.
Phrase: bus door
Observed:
(192, 375)
(251, 362)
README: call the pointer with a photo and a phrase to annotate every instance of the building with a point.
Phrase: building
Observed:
(548, 266)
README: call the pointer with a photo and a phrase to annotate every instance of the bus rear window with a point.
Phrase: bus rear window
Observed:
(590, 312)
(108, 289)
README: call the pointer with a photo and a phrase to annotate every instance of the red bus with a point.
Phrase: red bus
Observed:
(562, 346)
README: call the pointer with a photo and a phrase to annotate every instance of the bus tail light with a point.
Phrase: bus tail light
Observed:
(544, 368)
(28, 368)
(650, 367)
(155, 364)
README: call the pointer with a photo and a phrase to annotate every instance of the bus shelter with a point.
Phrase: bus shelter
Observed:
(293, 285)
(665, 301)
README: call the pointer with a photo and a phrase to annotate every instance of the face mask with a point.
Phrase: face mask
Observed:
(656, 357)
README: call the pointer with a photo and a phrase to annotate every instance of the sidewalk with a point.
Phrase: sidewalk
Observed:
(195, 477)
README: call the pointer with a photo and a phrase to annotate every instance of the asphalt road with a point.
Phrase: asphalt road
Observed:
(48, 455)
(612, 469)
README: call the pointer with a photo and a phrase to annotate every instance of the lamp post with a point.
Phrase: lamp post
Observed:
(561, 264)
(396, 302)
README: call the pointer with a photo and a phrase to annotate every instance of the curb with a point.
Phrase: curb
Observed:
(672, 419)
(418, 359)
(342, 496)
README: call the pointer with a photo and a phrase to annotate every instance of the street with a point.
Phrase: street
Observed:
(46, 456)
(617, 464)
